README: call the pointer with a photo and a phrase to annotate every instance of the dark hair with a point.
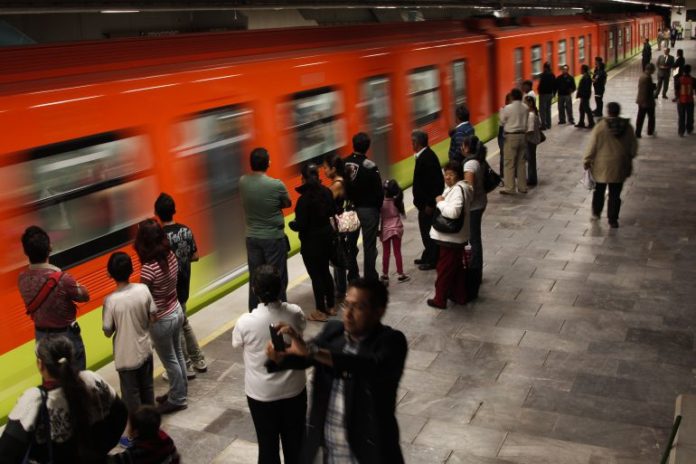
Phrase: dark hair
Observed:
(476, 148)
(516, 94)
(528, 83)
(310, 173)
(456, 167)
(462, 113)
(152, 244)
(687, 69)
(266, 283)
(680, 52)
(584, 68)
(146, 421)
(598, 58)
(531, 100)
(614, 109)
(259, 160)
(361, 142)
(334, 161)
(420, 137)
(36, 244)
(165, 208)
(378, 295)
(120, 266)
(547, 66)
(58, 357)
(508, 98)
(392, 189)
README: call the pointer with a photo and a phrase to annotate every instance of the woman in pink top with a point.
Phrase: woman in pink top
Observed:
(392, 229)
(159, 272)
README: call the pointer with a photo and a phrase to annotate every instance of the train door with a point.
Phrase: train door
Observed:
(377, 105)
(590, 55)
(627, 47)
(572, 56)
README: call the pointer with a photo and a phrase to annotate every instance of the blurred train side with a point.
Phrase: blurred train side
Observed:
(94, 131)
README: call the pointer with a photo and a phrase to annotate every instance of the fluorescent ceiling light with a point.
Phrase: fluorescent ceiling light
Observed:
(119, 11)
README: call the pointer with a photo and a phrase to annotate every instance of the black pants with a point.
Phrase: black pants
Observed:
(284, 419)
(430, 251)
(645, 62)
(531, 164)
(585, 110)
(501, 145)
(599, 101)
(369, 224)
(662, 83)
(686, 117)
(642, 112)
(614, 203)
(136, 386)
(315, 252)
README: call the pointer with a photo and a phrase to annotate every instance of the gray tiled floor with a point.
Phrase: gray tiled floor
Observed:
(577, 347)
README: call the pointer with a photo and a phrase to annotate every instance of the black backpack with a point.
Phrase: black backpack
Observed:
(491, 179)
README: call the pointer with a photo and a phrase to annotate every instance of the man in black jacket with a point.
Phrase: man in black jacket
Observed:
(565, 86)
(646, 53)
(584, 94)
(364, 191)
(546, 89)
(428, 183)
(358, 364)
(599, 82)
(679, 66)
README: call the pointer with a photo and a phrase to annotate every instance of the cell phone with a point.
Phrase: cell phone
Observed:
(276, 338)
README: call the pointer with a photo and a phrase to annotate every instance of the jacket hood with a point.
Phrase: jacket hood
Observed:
(617, 126)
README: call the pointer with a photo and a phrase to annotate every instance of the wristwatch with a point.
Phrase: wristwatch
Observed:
(312, 350)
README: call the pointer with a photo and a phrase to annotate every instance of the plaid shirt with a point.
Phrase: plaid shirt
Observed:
(336, 447)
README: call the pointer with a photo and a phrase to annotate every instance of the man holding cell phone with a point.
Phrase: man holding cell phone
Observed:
(277, 401)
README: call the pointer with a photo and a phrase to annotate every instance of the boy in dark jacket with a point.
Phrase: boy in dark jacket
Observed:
(151, 445)
(565, 86)
(457, 135)
(599, 82)
(584, 93)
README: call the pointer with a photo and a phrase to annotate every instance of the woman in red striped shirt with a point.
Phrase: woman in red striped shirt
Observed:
(159, 273)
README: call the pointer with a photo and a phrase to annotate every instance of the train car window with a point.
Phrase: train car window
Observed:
(536, 60)
(459, 82)
(562, 53)
(519, 66)
(628, 35)
(581, 49)
(611, 39)
(424, 92)
(317, 124)
(87, 193)
(589, 48)
(549, 53)
(620, 44)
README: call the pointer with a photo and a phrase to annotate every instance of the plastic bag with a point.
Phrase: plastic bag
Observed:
(587, 180)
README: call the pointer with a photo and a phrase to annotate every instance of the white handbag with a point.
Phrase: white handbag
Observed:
(587, 180)
(347, 222)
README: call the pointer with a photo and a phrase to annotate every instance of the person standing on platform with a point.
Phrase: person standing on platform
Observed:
(527, 89)
(427, 185)
(50, 294)
(599, 83)
(584, 94)
(609, 156)
(546, 90)
(673, 36)
(685, 104)
(514, 117)
(277, 400)
(501, 135)
(533, 139)
(358, 364)
(392, 230)
(646, 54)
(184, 247)
(679, 66)
(463, 129)
(474, 162)
(665, 63)
(565, 86)
(646, 101)
(264, 199)
(334, 169)
(364, 189)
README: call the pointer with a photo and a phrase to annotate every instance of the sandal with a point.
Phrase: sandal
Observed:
(317, 316)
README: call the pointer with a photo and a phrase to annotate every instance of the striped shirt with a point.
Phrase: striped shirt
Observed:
(162, 285)
(336, 447)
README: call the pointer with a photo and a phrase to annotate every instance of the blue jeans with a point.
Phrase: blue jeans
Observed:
(79, 356)
(267, 251)
(165, 334)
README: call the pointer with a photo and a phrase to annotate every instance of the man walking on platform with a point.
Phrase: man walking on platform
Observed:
(647, 53)
(565, 86)
(685, 104)
(665, 63)
(263, 200)
(584, 94)
(646, 101)
(599, 82)
(546, 89)
(428, 183)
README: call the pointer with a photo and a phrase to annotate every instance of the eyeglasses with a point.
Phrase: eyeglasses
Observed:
(346, 306)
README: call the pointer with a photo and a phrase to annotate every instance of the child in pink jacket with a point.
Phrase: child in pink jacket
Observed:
(392, 229)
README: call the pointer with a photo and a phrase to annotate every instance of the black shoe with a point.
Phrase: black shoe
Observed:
(162, 399)
(614, 224)
(426, 267)
(433, 304)
(168, 408)
(590, 126)
(638, 136)
(580, 126)
(418, 261)
(561, 122)
(664, 96)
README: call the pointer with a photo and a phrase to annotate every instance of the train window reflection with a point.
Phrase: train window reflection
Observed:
(459, 82)
(561, 53)
(536, 60)
(519, 66)
(317, 124)
(581, 49)
(424, 92)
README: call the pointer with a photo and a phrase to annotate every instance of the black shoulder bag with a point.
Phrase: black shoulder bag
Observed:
(448, 225)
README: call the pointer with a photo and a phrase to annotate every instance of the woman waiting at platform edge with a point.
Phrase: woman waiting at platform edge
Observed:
(334, 171)
(452, 204)
(474, 156)
(313, 214)
(159, 273)
(72, 417)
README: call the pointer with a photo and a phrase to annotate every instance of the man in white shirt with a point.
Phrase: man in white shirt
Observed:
(514, 118)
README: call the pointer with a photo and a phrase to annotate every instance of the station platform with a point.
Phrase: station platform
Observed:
(576, 349)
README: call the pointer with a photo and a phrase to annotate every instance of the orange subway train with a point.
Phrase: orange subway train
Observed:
(93, 131)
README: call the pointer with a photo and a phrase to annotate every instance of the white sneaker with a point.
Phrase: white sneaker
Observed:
(190, 374)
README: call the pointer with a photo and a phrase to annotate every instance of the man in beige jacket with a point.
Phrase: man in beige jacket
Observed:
(613, 146)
